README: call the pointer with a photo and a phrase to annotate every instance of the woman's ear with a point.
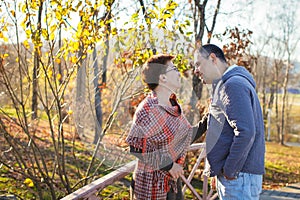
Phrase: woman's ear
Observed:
(162, 78)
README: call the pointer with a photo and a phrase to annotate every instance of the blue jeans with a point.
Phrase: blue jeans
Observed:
(245, 187)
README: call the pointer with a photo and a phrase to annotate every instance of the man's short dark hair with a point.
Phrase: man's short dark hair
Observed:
(207, 49)
(155, 66)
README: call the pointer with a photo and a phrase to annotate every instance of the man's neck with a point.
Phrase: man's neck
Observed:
(229, 68)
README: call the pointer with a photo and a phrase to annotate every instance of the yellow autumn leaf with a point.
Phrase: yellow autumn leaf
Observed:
(57, 60)
(26, 44)
(53, 28)
(28, 182)
(23, 8)
(4, 28)
(114, 31)
(31, 184)
(23, 24)
(75, 46)
(13, 13)
(105, 101)
(70, 112)
(50, 73)
(89, 51)
(44, 33)
(64, 11)
(33, 5)
(58, 16)
(73, 59)
(58, 76)
(5, 39)
(53, 3)
(88, 3)
(28, 33)
(52, 36)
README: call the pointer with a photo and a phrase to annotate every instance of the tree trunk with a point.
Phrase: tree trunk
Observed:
(34, 100)
(283, 104)
(98, 108)
(80, 95)
(264, 99)
(276, 101)
(60, 71)
(36, 65)
(199, 28)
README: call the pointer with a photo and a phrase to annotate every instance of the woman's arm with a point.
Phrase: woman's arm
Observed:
(165, 165)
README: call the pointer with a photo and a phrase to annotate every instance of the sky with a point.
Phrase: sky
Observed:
(246, 14)
(255, 15)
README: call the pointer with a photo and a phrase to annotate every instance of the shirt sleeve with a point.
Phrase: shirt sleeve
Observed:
(239, 113)
(165, 164)
(200, 128)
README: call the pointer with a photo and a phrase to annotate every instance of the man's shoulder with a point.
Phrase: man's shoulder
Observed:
(236, 82)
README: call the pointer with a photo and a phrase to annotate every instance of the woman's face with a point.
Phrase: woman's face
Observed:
(172, 76)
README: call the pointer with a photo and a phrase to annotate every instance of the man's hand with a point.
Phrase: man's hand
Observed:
(229, 178)
(176, 170)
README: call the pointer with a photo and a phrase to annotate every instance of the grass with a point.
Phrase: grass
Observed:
(11, 186)
(282, 168)
(282, 165)
(13, 183)
(292, 123)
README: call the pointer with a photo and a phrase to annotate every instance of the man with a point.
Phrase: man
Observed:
(235, 136)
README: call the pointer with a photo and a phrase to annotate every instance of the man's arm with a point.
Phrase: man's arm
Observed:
(238, 108)
(200, 128)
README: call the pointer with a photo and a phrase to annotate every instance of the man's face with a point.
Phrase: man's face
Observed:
(205, 68)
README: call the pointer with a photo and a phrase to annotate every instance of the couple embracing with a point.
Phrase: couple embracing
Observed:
(160, 134)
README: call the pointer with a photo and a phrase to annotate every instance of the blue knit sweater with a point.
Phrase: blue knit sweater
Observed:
(235, 137)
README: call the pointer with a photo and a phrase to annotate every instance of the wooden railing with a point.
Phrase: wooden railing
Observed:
(88, 191)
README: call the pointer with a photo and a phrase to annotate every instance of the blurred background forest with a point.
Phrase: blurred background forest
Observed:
(70, 78)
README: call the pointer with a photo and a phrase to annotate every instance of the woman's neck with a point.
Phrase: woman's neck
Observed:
(163, 95)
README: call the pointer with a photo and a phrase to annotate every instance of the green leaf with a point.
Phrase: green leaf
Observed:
(189, 33)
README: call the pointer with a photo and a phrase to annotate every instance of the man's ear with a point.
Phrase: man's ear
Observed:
(213, 57)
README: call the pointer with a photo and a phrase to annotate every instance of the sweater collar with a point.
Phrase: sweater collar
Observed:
(174, 110)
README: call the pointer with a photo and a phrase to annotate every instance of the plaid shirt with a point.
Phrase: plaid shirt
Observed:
(161, 133)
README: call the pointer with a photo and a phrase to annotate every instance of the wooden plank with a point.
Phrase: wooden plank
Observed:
(195, 167)
(197, 146)
(190, 187)
(102, 182)
(93, 197)
(99, 184)
(205, 187)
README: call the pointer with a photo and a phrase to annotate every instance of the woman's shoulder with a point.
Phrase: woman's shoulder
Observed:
(145, 107)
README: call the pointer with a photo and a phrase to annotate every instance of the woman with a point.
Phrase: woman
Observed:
(160, 134)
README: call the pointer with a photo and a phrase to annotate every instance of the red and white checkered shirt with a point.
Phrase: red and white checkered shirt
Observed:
(161, 132)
